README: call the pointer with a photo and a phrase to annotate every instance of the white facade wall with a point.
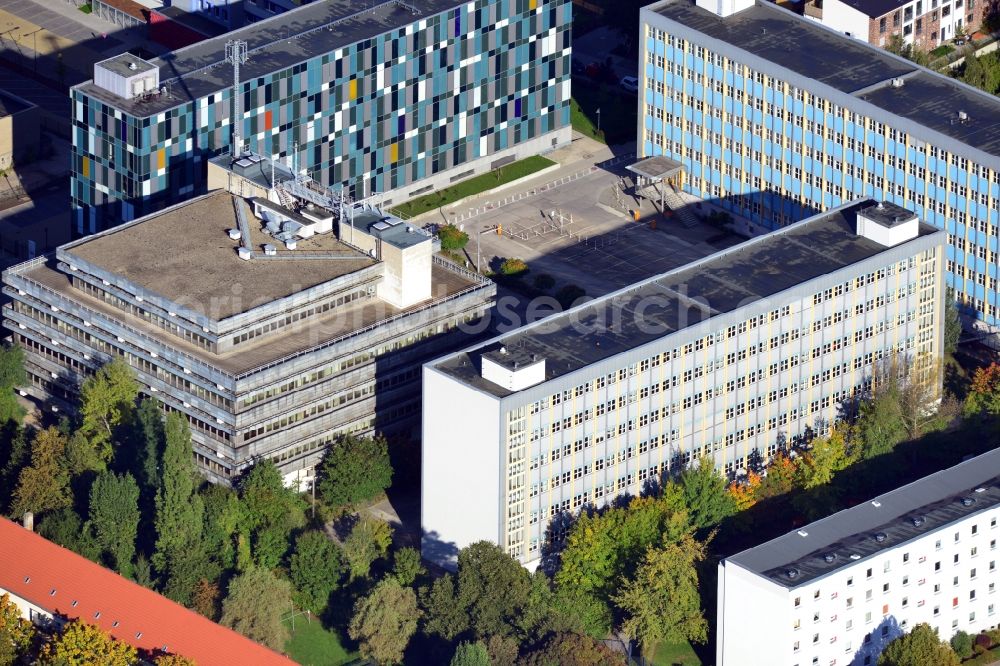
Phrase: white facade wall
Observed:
(946, 578)
(461, 468)
(842, 17)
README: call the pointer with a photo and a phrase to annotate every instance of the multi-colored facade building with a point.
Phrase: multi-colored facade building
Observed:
(775, 116)
(394, 98)
(729, 358)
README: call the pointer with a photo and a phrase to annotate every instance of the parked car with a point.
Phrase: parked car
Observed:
(629, 83)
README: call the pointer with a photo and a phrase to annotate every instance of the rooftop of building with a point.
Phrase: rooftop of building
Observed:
(851, 66)
(192, 20)
(126, 64)
(876, 8)
(66, 584)
(889, 521)
(301, 338)
(390, 229)
(887, 214)
(259, 170)
(11, 104)
(274, 44)
(185, 255)
(726, 281)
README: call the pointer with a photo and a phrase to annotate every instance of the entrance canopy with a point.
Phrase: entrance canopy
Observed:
(656, 169)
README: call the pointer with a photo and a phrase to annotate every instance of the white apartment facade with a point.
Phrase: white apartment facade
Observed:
(729, 357)
(838, 590)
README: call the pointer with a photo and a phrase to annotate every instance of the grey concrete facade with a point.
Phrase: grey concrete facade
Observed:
(348, 367)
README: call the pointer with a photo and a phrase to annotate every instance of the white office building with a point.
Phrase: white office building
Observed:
(726, 357)
(837, 591)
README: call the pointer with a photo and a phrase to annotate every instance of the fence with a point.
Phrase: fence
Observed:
(551, 185)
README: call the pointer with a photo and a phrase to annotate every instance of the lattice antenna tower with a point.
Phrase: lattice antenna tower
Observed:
(236, 55)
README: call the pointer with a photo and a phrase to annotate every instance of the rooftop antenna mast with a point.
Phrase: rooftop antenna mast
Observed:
(236, 55)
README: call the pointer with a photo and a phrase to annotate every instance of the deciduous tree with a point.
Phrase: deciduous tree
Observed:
(16, 633)
(470, 654)
(271, 512)
(406, 566)
(114, 518)
(705, 494)
(918, 648)
(179, 513)
(368, 541)
(315, 568)
(205, 598)
(355, 469)
(493, 588)
(569, 649)
(106, 398)
(44, 484)
(661, 602)
(255, 605)
(82, 644)
(743, 491)
(444, 615)
(385, 621)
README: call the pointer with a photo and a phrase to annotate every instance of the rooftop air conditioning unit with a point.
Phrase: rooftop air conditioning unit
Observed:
(897, 82)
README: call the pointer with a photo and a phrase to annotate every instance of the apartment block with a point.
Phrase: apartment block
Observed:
(923, 23)
(837, 591)
(269, 328)
(729, 357)
(394, 98)
(775, 117)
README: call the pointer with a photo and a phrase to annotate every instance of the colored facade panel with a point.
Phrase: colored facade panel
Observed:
(438, 94)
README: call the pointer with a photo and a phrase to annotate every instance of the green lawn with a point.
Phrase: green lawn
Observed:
(312, 645)
(582, 124)
(942, 51)
(87, 8)
(672, 654)
(618, 111)
(477, 185)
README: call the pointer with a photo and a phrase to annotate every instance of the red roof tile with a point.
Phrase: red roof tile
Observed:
(64, 583)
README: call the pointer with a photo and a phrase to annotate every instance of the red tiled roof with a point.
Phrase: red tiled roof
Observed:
(64, 583)
(130, 7)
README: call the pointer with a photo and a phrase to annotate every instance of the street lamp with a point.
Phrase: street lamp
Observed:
(34, 46)
(598, 120)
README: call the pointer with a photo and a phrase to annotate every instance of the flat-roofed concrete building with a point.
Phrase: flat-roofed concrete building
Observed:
(269, 332)
(838, 590)
(726, 357)
(776, 117)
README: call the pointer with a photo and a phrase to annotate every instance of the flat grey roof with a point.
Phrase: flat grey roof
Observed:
(185, 255)
(657, 167)
(851, 66)
(887, 521)
(274, 44)
(123, 63)
(388, 228)
(887, 214)
(659, 306)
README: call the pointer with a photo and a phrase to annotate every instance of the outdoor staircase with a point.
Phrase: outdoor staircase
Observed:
(681, 209)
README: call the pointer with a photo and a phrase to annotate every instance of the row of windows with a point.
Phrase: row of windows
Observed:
(314, 311)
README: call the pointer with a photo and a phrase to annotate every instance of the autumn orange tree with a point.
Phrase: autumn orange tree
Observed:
(984, 391)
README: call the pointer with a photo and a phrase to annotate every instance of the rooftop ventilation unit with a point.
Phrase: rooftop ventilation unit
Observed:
(270, 250)
(963, 116)
(897, 82)
(245, 253)
(880, 537)
(917, 521)
(792, 573)
(235, 234)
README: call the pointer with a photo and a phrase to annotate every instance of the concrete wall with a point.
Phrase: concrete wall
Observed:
(842, 17)
(754, 628)
(461, 468)
(19, 133)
